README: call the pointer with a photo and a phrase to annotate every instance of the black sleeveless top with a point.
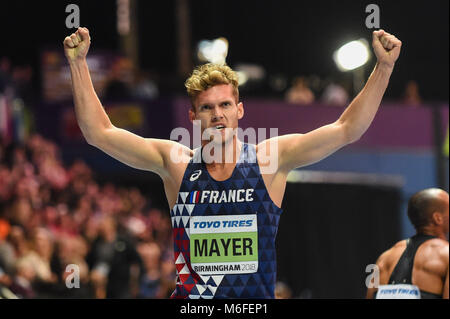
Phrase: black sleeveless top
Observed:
(402, 273)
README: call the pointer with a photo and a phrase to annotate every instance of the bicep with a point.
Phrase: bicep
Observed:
(296, 150)
(135, 151)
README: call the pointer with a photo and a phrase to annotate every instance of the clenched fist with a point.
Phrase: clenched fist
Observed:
(387, 47)
(76, 46)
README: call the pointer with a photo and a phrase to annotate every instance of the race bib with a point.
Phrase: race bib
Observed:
(224, 244)
(398, 292)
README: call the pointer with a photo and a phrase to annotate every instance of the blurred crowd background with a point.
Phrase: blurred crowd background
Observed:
(53, 216)
(58, 208)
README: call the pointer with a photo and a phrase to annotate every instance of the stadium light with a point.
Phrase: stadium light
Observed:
(214, 51)
(352, 55)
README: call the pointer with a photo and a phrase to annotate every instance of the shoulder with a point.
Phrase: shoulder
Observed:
(432, 256)
(400, 244)
(437, 247)
(437, 243)
(175, 153)
(388, 257)
(173, 147)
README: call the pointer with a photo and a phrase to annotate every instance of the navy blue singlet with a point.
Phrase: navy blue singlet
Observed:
(224, 232)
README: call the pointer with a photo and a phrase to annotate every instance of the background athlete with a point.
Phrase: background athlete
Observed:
(214, 94)
(422, 260)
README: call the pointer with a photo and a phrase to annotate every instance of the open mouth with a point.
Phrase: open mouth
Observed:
(219, 127)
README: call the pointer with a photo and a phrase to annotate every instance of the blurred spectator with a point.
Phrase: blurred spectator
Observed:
(20, 211)
(411, 95)
(43, 246)
(111, 259)
(150, 283)
(300, 93)
(167, 274)
(160, 228)
(18, 242)
(23, 86)
(144, 87)
(119, 81)
(22, 284)
(282, 291)
(5, 281)
(17, 97)
(335, 94)
(6, 254)
(71, 251)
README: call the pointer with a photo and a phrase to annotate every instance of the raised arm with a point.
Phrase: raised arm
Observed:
(297, 150)
(131, 149)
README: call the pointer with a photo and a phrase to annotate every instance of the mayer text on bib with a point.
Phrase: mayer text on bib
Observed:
(224, 244)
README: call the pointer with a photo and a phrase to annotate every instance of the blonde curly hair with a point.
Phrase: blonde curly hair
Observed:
(208, 75)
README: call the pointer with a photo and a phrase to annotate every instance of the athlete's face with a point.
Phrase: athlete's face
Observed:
(218, 111)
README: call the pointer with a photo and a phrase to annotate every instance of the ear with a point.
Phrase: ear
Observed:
(240, 108)
(437, 218)
(191, 115)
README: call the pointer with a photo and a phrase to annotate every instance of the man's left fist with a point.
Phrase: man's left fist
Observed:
(387, 47)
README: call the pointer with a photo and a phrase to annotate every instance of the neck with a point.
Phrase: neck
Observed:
(228, 153)
(431, 231)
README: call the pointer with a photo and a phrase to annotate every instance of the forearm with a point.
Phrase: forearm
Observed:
(91, 116)
(360, 113)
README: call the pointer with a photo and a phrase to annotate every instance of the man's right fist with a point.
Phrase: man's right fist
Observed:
(76, 46)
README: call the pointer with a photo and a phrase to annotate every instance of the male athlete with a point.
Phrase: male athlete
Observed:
(224, 212)
(417, 268)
